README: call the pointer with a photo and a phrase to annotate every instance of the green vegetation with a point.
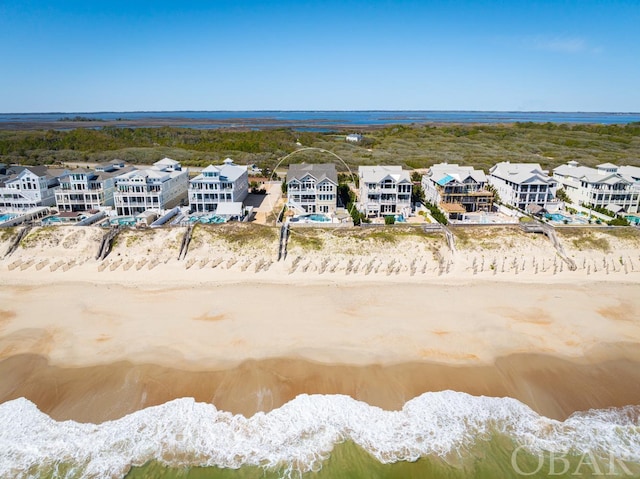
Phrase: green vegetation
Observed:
(584, 239)
(7, 233)
(413, 146)
(240, 234)
(618, 222)
(306, 239)
(601, 210)
(591, 242)
(38, 236)
(348, 198)
(561, 194)
(417, 194)
(438, 215)
(628, 234)
(389, 220)
(132, 240)
(617, 219)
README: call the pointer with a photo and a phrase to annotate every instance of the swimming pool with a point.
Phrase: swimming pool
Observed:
(318, 218)
(51, 220)
(7, 217)
(633, 219)
(562, 219)
(400, 219)
(123, 221)
(207, 219)
(557, 217)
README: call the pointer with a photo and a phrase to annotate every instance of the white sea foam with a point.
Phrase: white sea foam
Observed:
(300, 434)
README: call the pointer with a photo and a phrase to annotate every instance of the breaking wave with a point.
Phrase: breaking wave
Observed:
(300, 435)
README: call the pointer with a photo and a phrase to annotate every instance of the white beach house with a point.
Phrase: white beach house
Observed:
(162, 186)
(523, 184)
(607, 186)
(312, 188)
(457, 189)
(25, 187)
(227, 183)
(384, 190)
(86, 190)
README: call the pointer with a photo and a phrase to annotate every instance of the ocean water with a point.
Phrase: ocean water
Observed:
(322, 120)
(436, 435)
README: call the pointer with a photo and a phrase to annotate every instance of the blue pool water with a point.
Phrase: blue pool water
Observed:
(6, 217)
(123, 221)
(557, 217)
(400, 219)
(207, 219)
(634, 220)
(51, 220)
(317, 218)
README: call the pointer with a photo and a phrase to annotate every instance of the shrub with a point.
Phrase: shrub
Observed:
(438, 215)
(389, 220)
(618, 222)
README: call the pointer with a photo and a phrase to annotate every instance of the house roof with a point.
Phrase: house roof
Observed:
(233, 208)
(632, 173)
(320, 171)
(41, 171)
(148, 173)
(227, 172)
(443, 173)
(592, 175)
(521, 172)
(607, 166)
(376, 174)
(15, 170)
(534, 209)
(445, 179)
(166, 162)
(614, 208)
(453, 207)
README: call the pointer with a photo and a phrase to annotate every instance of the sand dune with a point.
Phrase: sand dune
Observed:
(236, 251)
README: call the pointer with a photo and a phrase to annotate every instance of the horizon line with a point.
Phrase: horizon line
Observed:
(322, 111)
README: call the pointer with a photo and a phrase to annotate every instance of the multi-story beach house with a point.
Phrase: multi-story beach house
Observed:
(607, 186)
(523, 185)
(312, 188)
(162, 186)
(227, 183)
(86, 190)
(384, 190)
(25, 187)
(457, 189)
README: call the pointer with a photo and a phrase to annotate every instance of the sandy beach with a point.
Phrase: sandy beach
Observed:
(382, 320)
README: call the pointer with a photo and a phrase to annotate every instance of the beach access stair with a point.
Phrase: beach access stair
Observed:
(438, 227)
(451, 242)
(16, 241)
(284, 239)
(549, 232)
(186, 239)
(107, 242)
(296, 206)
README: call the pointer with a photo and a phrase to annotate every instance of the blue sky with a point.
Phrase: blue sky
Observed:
(79, 56)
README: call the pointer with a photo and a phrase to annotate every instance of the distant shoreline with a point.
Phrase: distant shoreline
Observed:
(303, 120)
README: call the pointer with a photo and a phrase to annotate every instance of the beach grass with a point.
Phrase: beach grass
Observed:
(7, 233)
(41, 236)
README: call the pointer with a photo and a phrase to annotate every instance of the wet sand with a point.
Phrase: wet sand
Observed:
(552, 386)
